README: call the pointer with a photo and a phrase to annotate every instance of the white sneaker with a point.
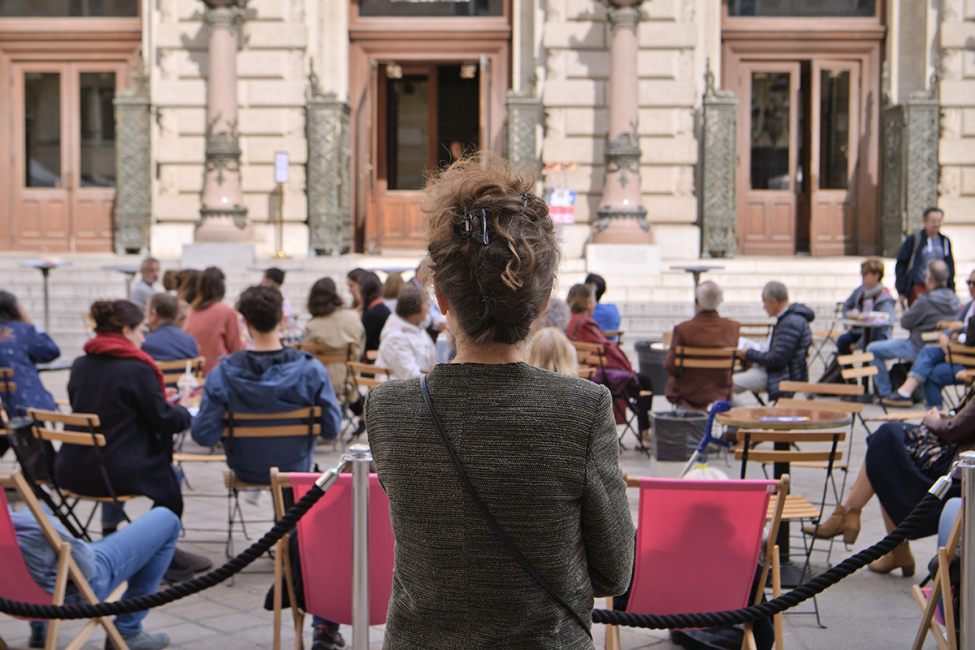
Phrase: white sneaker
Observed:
(255, 496)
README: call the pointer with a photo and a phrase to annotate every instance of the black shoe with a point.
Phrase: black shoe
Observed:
(195, 563)
(326, 638)
(38, 634)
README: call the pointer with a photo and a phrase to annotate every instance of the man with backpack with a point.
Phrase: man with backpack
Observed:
(917, 251)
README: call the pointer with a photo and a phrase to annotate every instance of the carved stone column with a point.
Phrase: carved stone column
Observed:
(133, 155)
(523, 108)
(223, 214)
(911, 134)
(622, 219)
(718, 171)
(327, 175)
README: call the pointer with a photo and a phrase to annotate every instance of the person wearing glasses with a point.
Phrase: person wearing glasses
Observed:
(931, 369)
(871, 296)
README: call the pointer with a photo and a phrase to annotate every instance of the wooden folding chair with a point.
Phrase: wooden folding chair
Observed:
(586, 372)
(594, 355)
(959, 354)
(86, 435)
(797, 507)
(941, 586)
(328, 356)
(616, 336)
(687, 358)
(325, 545)
(17, 584)
(173, 370)
(693, 534)
(9, 387)
(305, 422)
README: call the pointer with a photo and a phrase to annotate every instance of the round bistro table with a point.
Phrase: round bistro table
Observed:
(784, 419)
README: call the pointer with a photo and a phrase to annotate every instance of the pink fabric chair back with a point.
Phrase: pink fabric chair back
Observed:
(15, 581)
(697, 544)
(325, 544)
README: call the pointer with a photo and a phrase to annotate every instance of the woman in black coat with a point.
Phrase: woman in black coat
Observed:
(374, 312)
(124, 387)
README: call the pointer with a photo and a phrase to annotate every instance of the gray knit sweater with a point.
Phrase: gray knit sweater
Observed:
(541, 451)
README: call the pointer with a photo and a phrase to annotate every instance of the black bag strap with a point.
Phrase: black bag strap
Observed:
(490, 519)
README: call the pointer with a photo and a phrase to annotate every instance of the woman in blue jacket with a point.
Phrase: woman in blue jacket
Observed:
(22, 344)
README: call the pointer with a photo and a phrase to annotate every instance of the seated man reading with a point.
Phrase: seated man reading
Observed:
(697, 388)
(268, 379)
(139, 553)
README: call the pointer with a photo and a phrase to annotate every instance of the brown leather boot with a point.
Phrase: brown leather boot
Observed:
(900, 558)
(843, 520)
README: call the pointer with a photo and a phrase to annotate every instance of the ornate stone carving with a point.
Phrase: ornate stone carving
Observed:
(327, 176)
(222, 149)
(133, 156)
(606, 215)
(623, 154)
(623, 16)
(718, 200)
(523, 110)
(910, 170)
(230, 16)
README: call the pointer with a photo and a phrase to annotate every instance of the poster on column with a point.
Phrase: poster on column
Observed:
(561, 204)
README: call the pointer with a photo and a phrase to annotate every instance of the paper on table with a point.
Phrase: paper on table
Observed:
(751, 344)
(193, 410)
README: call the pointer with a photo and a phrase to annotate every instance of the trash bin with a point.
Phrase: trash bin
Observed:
(676, 435)
(652, 365)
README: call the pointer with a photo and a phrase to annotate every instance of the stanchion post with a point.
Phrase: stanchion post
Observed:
(967, 467)
(360, 457)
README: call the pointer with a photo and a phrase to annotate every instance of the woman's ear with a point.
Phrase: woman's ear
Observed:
(545, 304)
(441, 299)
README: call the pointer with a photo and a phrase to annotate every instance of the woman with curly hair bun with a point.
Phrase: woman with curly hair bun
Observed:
(539, 448)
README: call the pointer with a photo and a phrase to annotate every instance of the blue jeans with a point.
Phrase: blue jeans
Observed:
(847, 341)
(883, 350)
(140, 553)
(934, 373)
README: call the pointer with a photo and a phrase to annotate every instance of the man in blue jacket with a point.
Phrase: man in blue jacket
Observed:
(267, 379)
(918, 250)
(165, 341)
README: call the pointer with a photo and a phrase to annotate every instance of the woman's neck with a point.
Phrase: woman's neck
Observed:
(490, 354)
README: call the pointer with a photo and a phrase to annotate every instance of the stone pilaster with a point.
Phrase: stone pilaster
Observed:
(522, 121)
(718, 214)
(328, 176)
(133, 165)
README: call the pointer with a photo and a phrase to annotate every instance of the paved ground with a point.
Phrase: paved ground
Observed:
(866, 610)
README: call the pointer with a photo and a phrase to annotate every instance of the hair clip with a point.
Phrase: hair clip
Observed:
(488, 299)
(527, 196)
(475, 227)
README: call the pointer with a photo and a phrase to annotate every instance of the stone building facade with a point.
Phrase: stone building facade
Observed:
(824, 125)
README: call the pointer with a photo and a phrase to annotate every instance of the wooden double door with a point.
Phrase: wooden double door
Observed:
(798, 144)
(63, 139)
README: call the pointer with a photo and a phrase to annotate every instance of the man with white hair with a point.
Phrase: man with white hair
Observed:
(698, 387)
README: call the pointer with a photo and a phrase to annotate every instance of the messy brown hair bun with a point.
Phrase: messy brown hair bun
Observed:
(113, 315)
(496, 289)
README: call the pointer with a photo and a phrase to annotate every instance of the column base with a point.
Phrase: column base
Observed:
(222, 255)
(622, 227)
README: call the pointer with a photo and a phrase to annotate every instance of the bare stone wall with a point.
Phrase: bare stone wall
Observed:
(272, 79)
(575, 42)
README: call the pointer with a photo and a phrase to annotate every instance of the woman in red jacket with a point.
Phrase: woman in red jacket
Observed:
(213, 324)
(617, 373)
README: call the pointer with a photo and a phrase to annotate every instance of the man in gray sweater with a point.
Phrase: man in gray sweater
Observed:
(940, 303)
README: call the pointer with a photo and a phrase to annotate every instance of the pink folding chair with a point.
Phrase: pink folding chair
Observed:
(17, 584)
(325, 546)
(697, 546)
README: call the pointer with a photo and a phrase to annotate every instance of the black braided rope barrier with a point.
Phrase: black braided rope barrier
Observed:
(786, 601)
(611, 617)
(182, 590)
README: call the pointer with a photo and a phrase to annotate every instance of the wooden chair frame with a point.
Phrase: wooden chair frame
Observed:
(311, 426)
(594, 354)
(343, 355)
(962, 355)
(706, 359)
(797, 507)
(173, 370)
(67, 569)
(87, 437)
(769, 566)
(929, 604)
